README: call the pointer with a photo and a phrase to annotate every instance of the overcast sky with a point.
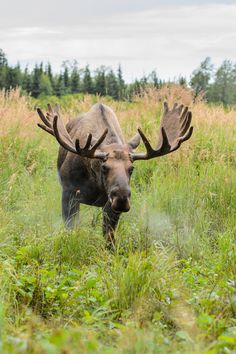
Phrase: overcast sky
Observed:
(170, 36)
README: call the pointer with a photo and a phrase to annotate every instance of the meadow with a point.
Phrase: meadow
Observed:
(170, 284)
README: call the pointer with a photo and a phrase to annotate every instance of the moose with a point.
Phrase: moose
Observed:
(95, 163)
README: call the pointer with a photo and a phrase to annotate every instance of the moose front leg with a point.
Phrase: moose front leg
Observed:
(110, 221)
(70, 207)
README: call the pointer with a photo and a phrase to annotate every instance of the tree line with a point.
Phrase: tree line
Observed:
(42, 81)
(218, 84)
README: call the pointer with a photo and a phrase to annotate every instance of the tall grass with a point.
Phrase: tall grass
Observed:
(169, 287)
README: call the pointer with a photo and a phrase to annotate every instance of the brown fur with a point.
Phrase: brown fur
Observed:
(103, 184)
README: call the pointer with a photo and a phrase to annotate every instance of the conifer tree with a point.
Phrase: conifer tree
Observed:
(112, 88)
(26, 81)
(100, 81)
(13, 77)
(121, 83)
(45, 85)
(75, 79)
(35, 87)
(59, 88)
(48, 72)
(154, 79)
(3, 69)
(87, 81)
(66, 79)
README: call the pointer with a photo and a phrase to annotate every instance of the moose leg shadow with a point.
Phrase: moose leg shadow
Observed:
(110, 221)
(70, 208)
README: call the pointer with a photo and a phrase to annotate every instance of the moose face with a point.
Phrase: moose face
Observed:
(116, 171)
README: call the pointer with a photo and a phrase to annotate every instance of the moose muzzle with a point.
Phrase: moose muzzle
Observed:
(120, 199)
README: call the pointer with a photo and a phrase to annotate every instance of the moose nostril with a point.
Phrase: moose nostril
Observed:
(120, 194)
(113, 193)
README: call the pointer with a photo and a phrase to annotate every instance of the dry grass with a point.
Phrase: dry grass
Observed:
(15, 114)
(17, 111)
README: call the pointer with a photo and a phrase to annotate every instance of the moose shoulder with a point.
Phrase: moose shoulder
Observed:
(95, 163)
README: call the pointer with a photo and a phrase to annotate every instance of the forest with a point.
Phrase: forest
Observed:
(217, 84)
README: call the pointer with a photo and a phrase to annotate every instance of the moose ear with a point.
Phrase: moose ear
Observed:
(134, 142)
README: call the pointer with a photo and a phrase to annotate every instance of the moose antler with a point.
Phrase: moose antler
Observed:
(175, 129)
(48, 120)
(53, 124)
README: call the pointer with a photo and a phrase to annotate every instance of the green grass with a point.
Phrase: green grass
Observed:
(169, 287)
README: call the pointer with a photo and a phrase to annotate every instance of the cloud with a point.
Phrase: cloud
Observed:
(171, 38)
(72, 12)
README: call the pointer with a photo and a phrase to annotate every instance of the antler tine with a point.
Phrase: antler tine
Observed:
(99, 154)
(187, 136)
(44, 127)
(185, 111)
(91, 153)
(48, 119)
(81, 151)
(186, 123)
(50, 110)
(164, 142)
(180, 108)
(57, 108)
(175, 129)
(88, 142)
(166, 108)
(100, 140)
(62, 135)
(43, 118)
(145, 141)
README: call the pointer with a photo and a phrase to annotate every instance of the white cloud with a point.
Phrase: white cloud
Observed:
(173, 39)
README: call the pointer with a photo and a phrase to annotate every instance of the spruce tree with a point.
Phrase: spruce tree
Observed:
(26, 82)
(112, 88)
(100, 81)
(154, 79)
(182, 81)
(75, 79)
(35, 88)
(3, 58)
(48, 72)
(3, 69)
(87, 81)
(66, 79)
(13, 77)
(121, 83)
(59, 88)
(45, 85)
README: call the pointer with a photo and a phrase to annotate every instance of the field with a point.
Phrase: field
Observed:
(170, 284)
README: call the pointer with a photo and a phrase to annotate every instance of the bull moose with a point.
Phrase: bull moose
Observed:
(95, 163)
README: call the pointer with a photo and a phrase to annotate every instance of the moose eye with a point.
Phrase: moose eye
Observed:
(130, 170)
(105, 169)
